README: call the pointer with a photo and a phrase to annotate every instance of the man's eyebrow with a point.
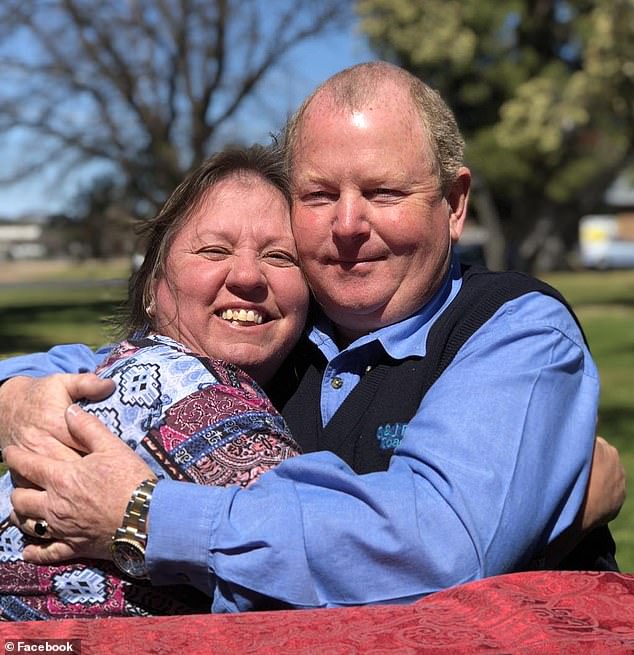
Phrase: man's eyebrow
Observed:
(313, 178)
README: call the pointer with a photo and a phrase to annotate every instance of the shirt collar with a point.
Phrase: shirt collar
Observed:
(408, 337)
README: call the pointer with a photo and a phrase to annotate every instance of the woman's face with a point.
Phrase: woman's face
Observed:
(232, 288)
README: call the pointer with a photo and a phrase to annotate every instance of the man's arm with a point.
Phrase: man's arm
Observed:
(494, 465)
(492, 468)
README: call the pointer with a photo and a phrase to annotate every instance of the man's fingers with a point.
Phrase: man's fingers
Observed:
(20, 481)
(88, 431)
(50, 552)
(35, 468)
(90, 386)
(38, 528)
(27, 503)
(32, 411)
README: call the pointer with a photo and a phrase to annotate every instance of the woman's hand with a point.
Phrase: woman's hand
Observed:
(32, 411)
(82, 501)
(606, 488)
(605, 496)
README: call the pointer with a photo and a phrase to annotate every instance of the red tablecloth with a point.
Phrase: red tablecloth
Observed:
(537, 612)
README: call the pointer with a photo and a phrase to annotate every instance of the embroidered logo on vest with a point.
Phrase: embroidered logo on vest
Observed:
(389, 435)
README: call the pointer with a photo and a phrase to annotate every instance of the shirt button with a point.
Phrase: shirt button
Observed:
(336, 383)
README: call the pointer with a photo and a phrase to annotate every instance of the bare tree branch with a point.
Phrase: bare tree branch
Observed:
(143, 86)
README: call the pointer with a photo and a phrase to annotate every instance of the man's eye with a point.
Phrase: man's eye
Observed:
(383, 192)
(317, 197)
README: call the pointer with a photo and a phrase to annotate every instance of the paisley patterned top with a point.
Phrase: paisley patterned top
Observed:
(190, 418)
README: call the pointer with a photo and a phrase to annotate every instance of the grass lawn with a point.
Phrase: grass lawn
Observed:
(56, 303)
(55, 311)
(604, 303)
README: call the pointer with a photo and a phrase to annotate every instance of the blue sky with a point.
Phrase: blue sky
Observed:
(308, 65)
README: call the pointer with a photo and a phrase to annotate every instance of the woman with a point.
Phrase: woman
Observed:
(220, 282)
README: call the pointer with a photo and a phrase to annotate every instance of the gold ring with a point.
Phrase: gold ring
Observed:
(40, 528)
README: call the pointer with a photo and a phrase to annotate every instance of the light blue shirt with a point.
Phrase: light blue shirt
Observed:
(493, 466)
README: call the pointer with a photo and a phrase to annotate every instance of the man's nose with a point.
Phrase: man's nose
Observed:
(351, 219)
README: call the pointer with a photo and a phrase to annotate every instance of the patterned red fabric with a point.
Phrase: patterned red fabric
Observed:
(558, 612)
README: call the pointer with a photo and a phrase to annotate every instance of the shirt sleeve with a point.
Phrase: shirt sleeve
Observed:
(69, 358)
(492, 467)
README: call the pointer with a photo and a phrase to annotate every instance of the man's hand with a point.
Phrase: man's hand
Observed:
(32, 411)
(83, 501)
(606, 488)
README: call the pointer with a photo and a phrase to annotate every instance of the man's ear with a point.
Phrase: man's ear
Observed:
(457, 198)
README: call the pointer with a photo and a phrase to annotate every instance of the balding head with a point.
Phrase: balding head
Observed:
(355, 88)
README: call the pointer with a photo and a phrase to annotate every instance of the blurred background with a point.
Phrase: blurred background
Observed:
(105, 106)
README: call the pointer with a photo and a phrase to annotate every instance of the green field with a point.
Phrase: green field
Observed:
(604, 302)
(38, 317)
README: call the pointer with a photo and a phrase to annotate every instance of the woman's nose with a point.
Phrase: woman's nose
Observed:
(246, 272)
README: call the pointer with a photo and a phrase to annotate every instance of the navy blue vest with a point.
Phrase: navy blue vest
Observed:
(370, 422)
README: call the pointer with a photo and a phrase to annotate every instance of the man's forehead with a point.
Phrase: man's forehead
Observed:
(325, 126)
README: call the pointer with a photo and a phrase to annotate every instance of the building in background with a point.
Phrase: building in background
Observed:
(21, 240)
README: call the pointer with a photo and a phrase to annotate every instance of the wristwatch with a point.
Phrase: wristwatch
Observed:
(129, 541)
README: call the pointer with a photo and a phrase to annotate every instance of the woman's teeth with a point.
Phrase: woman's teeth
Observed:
(242, 316)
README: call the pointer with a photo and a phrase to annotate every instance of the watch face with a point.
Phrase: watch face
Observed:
(129, 557)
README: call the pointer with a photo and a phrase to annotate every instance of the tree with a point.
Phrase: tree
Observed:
(141, 88)
(544, 93)
(102, 217)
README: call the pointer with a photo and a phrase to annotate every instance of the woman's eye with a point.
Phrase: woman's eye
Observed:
(280, 258)
(213, 252)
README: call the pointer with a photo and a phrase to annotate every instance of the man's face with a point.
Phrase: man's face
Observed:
(372, 229)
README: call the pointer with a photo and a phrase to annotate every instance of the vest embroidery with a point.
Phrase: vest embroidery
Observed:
(389, 435)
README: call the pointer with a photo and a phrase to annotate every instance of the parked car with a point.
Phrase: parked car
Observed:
(607, 240)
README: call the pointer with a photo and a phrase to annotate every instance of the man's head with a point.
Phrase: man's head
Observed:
(380, 194)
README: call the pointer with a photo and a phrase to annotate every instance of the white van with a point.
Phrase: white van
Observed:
(607, 240)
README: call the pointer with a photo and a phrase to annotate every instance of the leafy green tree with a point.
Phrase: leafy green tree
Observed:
(544, 93)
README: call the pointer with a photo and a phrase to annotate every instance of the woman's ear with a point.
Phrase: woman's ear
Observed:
(150, 305)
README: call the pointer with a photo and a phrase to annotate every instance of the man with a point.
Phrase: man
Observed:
(491, 448)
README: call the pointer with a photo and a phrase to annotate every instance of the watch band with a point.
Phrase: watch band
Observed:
(129, 541)
(134, 523)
